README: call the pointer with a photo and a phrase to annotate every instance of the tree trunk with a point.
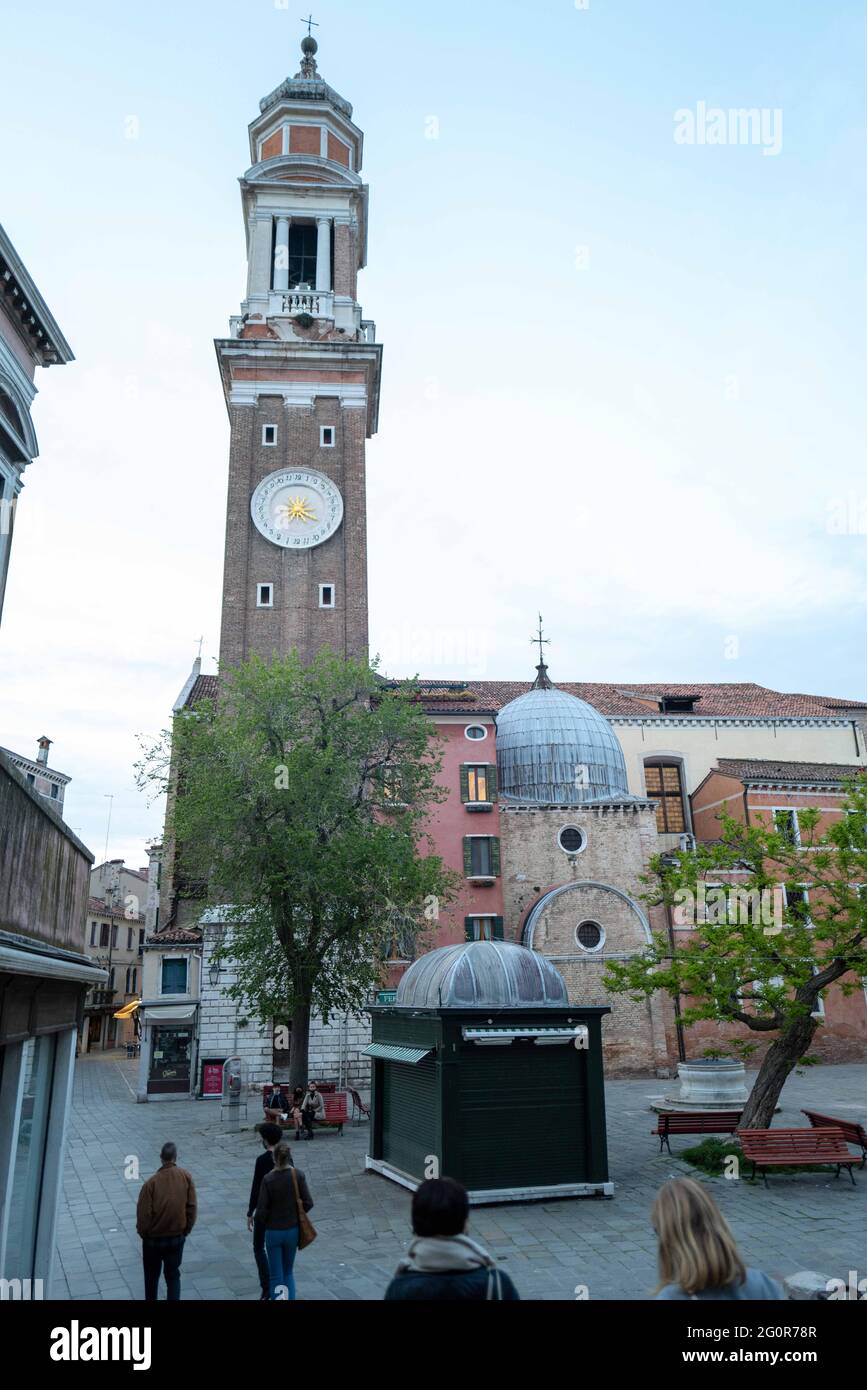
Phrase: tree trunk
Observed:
(780, 1059)
(299, 1045)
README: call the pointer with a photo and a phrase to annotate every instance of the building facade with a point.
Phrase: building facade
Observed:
(44, 780)
(45, 972)
(542, 857)
(29, 338)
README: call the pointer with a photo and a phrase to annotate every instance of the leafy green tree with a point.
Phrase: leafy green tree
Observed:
(758, 957)
(300, 797)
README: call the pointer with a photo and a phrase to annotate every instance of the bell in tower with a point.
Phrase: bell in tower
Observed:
(301, 373)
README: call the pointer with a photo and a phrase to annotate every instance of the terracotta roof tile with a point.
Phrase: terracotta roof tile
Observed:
(722, 700)
(761, 770)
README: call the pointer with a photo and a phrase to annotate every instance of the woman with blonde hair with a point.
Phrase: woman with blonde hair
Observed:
(698, 1257)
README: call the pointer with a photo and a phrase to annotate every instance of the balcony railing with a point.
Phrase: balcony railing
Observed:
(319, 304)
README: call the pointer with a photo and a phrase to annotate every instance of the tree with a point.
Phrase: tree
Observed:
(757, 956)
(301, 795)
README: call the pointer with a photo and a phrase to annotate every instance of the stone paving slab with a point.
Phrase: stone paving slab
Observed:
(808, 1221)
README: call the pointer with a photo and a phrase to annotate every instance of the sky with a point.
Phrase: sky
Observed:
(623, 374)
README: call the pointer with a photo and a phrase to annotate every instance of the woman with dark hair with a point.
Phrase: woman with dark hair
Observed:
(279, 1195)
(442, 1262)
(295, 1110)
(698, 1257)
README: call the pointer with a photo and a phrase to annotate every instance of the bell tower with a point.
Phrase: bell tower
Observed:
(300, 372)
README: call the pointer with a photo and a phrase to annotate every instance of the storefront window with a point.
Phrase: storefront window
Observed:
(38, 1065)
(171, 1055)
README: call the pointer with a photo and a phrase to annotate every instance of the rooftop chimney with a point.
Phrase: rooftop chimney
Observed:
(44, 744)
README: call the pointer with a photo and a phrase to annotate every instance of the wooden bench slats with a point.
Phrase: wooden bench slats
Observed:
(852, 1131)
(695, 1122)
(793, 1148)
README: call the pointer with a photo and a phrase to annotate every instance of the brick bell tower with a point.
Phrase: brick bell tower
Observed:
(301, 374)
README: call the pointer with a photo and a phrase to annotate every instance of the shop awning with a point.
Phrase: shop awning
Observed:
(171, 1013)
(494, 1037)
(128, 1009)
(390, 1052)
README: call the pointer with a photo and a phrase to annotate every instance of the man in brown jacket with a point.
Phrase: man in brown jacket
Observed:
(165, 1215)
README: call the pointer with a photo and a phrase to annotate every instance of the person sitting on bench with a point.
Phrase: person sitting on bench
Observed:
(295, 1110)
(312, 1109)
(275, 1107)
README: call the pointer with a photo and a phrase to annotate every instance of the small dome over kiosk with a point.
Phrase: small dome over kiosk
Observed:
(482, 975)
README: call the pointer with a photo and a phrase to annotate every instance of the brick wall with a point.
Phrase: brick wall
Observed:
(619, 842)
(296, 620)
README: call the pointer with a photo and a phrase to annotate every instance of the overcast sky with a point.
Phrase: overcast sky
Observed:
(623, 375)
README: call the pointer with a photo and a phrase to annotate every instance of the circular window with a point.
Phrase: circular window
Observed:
(571, 839)
(475, 731)
(589, 936)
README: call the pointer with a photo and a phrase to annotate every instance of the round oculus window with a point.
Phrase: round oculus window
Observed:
(589, 936)
(571, 840)
(475, 731)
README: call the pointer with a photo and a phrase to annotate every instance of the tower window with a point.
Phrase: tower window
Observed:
(326, 595)
(476, 731)
(302, 255)
(269, 435)
(326, 436)
(264, 595)
(665, 787)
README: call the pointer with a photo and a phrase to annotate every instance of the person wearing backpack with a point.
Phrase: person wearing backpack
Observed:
(442, 1262)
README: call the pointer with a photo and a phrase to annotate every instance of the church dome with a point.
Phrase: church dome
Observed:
(482, 975)
(554, 749)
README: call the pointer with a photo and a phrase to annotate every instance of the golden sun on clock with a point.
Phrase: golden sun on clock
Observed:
(297, 508)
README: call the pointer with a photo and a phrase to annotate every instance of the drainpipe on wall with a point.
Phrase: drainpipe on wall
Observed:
(678, 1025)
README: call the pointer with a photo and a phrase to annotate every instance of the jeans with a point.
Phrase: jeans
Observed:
(259, 1254)
(162, 1254)
(282, 1247)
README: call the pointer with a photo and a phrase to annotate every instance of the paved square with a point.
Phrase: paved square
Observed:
(809, 1221)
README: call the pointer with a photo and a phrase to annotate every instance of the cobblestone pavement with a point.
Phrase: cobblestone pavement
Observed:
(806, 1221)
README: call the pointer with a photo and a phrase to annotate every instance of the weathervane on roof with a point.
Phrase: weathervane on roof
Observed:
(541, 682)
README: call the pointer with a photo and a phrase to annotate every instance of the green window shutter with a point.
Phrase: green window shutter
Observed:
(497, 929)
(465, 784)
(495, 854)
(492, 781)
(468, 928)
(468, 857)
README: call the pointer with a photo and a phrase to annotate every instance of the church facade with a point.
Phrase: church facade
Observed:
(557, 795)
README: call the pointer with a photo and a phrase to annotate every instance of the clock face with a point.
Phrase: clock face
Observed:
(297, 508)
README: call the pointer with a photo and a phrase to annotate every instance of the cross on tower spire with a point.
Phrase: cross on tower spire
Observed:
(309, 48)
(541, 682)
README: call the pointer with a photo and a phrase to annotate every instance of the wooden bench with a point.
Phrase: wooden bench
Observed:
(695, 1122)
(852, 1131)
(336, 1111)
(795, 1148)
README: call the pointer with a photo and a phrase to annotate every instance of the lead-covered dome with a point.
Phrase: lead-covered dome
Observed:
(554, 749)
(484, 975)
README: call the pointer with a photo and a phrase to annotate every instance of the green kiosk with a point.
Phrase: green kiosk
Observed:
(483, 1071)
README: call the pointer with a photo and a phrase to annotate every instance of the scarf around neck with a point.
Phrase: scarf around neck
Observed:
(441, 1254)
